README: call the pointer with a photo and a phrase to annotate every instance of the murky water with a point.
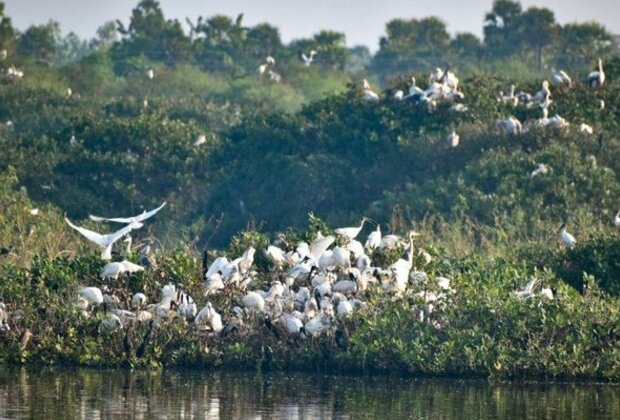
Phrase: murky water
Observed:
(61, 393)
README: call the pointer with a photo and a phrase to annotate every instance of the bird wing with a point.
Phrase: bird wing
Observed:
(131, 267)
(319, 246)
(89, 234)
(139, 218)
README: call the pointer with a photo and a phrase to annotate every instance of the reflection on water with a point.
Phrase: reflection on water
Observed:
(174, 394)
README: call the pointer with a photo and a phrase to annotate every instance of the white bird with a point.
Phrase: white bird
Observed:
(342, 257)
(586, 129)
(510, 98)
(253, 301)
(558, 122)
(617, 219)
(561, 78)
(105, 242)
(114, 269)
(317, 324)
(4, 316)
(369, 94)
(319, 246)
(138, 300)
(307, 59)
(150, 74)
(139, 218)
(34, 212)
(453, 139)
(110, 324)
(200, 140)
(351, 232)
(214, 283)
(344, 309)
(541, 169)
(399, 95)
(92, 295)
(543, 95)
(510, 125)
(596, 79)
(292, 324)
(528, 291)
(567, 239)
(415, 92)
(276, 255)
(374, 239)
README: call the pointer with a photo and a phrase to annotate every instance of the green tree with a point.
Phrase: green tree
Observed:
(500, 28)
(579, 44)
(40, 41)
(151, 35)
(536, 30)
(7, 32)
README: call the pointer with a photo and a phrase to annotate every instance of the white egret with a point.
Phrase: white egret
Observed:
(105, 242)
(150, 74)
(374, 239)
(276, 255)
(567, 239)
(139, 218)
(200, 140)
(351, 232)
(617, 219)
(596, 79)
(586, 129)
(307, 59)
(541, 169)
(369, 94)
(453, 139)
(114, 269)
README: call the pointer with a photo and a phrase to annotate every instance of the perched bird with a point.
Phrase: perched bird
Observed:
(139, 218)
(541, 169)
(138, 300)
(562, 79)
(200, 140)
(105, 242)
(586, 129)
(567, 239)
(4, 317)
(369, 94)
(453, 139)
(511, 125)
(510, 98)
(617, 219)
(253, 301)
(292, 324)
(351, 232)
(110, 324)
(92, 295)
(307, 59)
(374, 239)
(114, 269)
(150, 74)
(596, 79)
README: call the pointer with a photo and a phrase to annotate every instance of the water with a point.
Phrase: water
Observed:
(172, 394)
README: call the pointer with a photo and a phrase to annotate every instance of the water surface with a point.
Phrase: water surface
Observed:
(61, 393)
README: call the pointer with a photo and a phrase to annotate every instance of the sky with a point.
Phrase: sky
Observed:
(362, 21)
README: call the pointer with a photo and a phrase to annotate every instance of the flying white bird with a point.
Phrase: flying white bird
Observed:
(105, 242)
(307, 59)
(139, 218)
